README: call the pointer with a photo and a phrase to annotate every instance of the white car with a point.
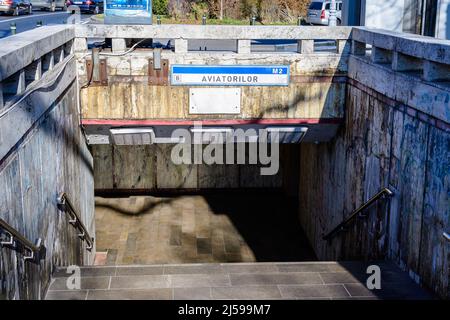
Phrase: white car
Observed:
(319, 12)
(50, 5)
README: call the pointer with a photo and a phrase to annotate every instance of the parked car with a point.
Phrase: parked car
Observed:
(16, 7)
(319, 12)
(50, 5)
(90, 6)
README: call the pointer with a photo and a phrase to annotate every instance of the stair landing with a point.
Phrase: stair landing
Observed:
(291, 280)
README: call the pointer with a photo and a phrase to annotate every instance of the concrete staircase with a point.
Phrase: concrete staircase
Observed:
(305, 280)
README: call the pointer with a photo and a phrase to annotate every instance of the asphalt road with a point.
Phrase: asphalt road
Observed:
(28, 22)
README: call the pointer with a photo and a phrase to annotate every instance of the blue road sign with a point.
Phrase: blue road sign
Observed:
(128, 11)
(233, 75)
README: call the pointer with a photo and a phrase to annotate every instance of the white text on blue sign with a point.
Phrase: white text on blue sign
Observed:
(193, 75)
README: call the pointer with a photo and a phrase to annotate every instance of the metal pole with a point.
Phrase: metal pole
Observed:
(204, 20)
(13, 28)
(221, 10)
(332, 18)
(422, 19)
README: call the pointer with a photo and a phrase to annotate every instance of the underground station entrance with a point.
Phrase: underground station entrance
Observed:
(213, 230)
(218, 207)
(164, 172)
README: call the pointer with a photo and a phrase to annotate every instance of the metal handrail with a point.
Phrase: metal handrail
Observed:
(446, 236)
(358, 212)
(64, 204)
(33, 252)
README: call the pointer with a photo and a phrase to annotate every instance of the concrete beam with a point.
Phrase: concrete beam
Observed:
(118, 45)
(181, 46)
(306, 46)
(15, 84)
(429, 98)
(68, 47)
(310, 64)
(80, 45)
(19, 119)
(343, 46)
(379, 55)
(211, 32)
(34, 71)
(61, 53)
(18, 51)
(433, 71)
(58, 54)
(48, 61)
(244, 46)
(358, 48)
(436, 50)
(21, 83)
(401, 62)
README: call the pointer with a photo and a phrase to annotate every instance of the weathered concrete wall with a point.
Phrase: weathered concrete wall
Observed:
(312, 94)
(382, 144)
(125, 93)
(52, 157)
(150, 168)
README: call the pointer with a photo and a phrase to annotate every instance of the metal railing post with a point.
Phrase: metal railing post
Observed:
(13, 28)
(446, 236)
(64, 204)
(31, 252)
(358, 213)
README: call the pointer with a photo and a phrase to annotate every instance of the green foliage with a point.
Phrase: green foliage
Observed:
(265, 11)
(160, 7)
(250, 8)
(200, 8)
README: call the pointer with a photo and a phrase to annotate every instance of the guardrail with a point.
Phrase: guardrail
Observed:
(404, 52)
(26, 57)
(181, 34)
(384, 193)
(32, 252)
(64, 204)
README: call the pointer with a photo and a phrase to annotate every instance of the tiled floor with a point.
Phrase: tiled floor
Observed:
(307, 280)
(200, 229)
(152, 244)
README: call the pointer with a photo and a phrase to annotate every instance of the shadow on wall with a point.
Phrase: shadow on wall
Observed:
(69, 136)
(53, 161)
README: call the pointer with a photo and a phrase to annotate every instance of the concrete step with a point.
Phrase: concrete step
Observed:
(292, 280)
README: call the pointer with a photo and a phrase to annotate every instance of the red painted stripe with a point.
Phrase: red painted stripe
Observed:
(120, 122)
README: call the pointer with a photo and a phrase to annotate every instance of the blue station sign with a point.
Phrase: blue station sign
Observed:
(220, 75)
(128, 11)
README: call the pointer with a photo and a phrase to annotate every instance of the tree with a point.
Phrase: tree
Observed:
(179, 8)
(161, 7)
